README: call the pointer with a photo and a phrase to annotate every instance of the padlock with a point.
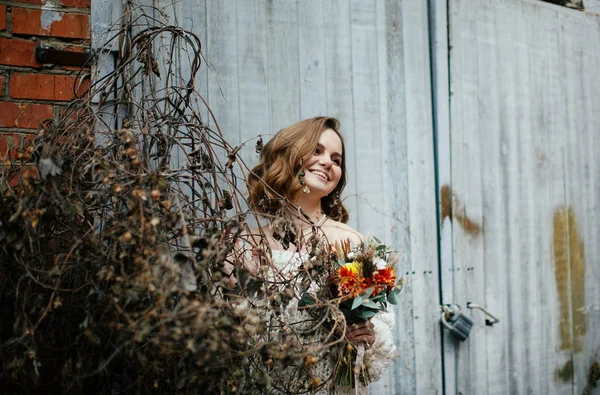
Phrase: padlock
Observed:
(458, 324)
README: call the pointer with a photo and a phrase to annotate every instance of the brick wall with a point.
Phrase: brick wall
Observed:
(29, 91)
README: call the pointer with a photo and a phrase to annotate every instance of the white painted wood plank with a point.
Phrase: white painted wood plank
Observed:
(457, 102)
(563, 357)
(221, 50)
(222, 53)
(105, 17)
(397, 378)
(494, 201)
(590, 91)
(140, 15)
(311, 48)
(175, 58)
(367, 129)
(529, 312)
(539, 274)
(284, 76)
(252, 76)
(339, 93)
(441, 100)
(383, 76)
(466, 187)
(510, 170)
(402, 372)
(541, 38)
(578, 185)
(422, 235)
(191, 16)
(592, 5)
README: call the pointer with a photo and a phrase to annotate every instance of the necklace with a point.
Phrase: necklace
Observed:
(322, 220)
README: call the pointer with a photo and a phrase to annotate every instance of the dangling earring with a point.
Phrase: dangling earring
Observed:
(336, 204)
(335, 201)
(301, 175)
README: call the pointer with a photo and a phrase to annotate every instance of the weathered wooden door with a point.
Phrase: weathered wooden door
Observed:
(518, 126)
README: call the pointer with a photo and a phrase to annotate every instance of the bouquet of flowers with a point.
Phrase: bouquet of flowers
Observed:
(364, 280)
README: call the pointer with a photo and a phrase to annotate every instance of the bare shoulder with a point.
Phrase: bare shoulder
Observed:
(263, 234)
(336, 231)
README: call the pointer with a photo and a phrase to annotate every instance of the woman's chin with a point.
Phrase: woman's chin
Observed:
(319, 190)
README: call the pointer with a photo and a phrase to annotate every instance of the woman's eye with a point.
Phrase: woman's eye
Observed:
(338, 162)
(317, 151)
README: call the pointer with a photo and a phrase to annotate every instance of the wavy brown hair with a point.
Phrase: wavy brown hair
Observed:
(281, 160)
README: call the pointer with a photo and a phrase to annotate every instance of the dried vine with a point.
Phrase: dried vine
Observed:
(115, 228)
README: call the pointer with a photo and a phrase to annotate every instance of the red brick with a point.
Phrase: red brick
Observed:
(16, 52)
(37, 2)
(27, 140)
(63, 24)
(23, 115)
(1, 85)
(76, 3)
(64, 3)
(2, 17)
(55, 87)
(24, 173)
(9, 143)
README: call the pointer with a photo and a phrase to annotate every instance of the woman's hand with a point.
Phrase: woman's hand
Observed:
(362, 332)
(229, 280)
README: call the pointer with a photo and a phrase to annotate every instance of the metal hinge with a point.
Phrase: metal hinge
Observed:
(45, 53)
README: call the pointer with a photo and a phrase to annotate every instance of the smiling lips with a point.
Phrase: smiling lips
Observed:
(320, 174)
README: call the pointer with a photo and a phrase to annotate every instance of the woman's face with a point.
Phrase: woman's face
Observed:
(323, 168)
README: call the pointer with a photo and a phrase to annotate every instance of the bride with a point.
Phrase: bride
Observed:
(305, 163)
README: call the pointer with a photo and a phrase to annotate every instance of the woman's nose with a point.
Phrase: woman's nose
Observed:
(324, 161)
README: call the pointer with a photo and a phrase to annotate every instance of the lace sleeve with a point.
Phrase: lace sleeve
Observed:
(379, 356)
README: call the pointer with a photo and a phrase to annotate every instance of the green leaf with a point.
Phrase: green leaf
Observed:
(368, 314)
(307, 300)
(357, 302)
(367, 293)
(378, 298)
(370, 304)
(377, 240)
(380, 247)
(392, 297)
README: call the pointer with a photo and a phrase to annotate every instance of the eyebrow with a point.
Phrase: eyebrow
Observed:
(319, 145)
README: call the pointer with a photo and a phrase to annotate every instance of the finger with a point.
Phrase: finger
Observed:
(362, 339)
(359, 333)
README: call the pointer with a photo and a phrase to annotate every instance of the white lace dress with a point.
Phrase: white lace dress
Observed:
(377, 357)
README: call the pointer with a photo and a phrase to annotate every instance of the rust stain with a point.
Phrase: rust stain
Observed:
(452, 207)
(472, 228)
(569, 272)
(565, 373)
(446, 203)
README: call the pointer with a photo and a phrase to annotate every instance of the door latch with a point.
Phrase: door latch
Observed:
(457, 323)
(488, 321)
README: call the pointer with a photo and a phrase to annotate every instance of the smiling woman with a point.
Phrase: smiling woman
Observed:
(284, 163)
(298, 185)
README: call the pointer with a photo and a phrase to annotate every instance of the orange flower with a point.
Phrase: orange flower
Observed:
(385, 276)
(348, 279)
